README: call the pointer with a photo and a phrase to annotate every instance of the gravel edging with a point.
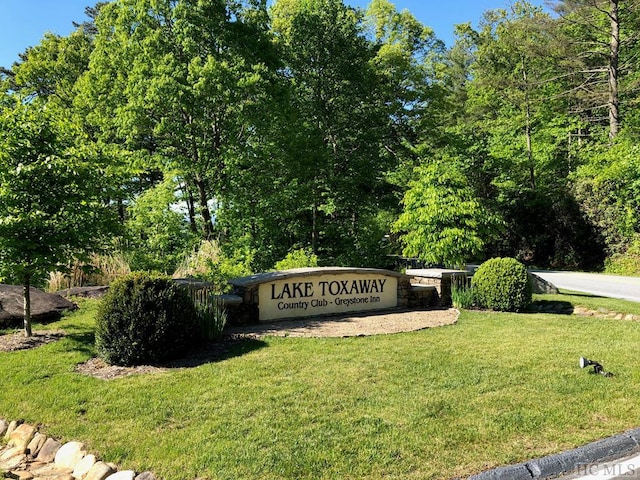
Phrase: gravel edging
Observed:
(552, 466)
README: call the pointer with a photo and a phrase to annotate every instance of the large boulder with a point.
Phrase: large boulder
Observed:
(45, 307)
(540, 285)
(85, 292)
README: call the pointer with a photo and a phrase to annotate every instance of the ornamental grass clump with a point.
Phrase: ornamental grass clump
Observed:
(145, 318)
(502, 284)
(462, 295)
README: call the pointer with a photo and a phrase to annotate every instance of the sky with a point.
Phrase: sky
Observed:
(24, 22)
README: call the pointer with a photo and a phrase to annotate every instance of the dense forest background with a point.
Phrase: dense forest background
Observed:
(317, 131)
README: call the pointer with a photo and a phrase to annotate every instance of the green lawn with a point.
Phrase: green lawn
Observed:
(493, 389)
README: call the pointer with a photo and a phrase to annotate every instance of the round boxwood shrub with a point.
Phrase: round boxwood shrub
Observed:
(144, 318)
(502, 284)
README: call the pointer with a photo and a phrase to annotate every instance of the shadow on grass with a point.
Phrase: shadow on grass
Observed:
(551, 306)
(83, 342)
(581, 295)
(230, 346)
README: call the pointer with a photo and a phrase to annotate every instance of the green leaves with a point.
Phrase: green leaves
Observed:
(51, 204)
(442, 221)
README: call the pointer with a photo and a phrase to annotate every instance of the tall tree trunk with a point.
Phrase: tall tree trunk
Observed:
(614, 102)
(314, 228)
(191, 208)
(527, 127)
(26, 294)
(203, 199)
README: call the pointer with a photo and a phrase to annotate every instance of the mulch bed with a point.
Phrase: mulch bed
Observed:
(18, 341)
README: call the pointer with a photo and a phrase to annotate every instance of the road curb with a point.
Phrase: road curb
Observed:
(611, 448)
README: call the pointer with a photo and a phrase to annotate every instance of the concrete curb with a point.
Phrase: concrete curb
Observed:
(552, 466)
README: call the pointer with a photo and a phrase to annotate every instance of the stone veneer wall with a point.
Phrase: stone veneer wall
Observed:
(438, 278)
(31, 455)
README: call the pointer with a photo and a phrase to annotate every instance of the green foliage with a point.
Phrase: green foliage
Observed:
(145, 318)
(211, 263)
(52, 205)
(211, 314)
(302, 257)
(608, 187)
(462, 295)
(443, 221)
(627, 262)
(159, 236)
(502, 284)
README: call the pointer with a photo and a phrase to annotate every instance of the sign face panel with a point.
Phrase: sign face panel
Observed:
(305, 296)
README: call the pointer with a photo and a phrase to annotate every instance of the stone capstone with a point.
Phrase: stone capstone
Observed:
(36, 444)
(122, 475)
(146, 476)
(10, 428)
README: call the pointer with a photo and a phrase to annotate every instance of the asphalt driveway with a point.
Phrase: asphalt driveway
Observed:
(613, 286)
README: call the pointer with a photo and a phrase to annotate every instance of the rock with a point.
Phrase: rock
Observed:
(99, 471)
(83, 466)
(540, 285)
(10, 428)
(146, 476)
(85, 292)
(21, 437)
(13, 461)
(44, 306)
(48, 451)
(123, 475)
(36, 444)
(69, 455)
(49, 470)
(20, 475)
(3, 426)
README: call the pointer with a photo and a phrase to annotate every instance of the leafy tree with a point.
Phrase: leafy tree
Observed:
(179, 80)
(443, 222)
(157, 231)
(51, 204)
(336, 159)
(603, 38)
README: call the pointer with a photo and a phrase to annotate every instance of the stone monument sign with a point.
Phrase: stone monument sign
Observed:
(306, 292)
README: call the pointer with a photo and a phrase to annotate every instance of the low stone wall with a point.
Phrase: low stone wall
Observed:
(29, 454)
(438, 278)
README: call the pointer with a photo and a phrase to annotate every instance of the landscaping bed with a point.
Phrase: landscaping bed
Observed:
(492, 389)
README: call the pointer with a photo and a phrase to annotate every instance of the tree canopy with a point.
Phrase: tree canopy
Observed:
(311, 125)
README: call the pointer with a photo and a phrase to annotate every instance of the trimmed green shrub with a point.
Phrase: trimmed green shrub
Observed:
(502, 284)
(144, 318)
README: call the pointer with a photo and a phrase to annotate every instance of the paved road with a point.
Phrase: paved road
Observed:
(604, 285)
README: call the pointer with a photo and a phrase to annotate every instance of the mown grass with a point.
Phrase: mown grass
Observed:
(439, 403)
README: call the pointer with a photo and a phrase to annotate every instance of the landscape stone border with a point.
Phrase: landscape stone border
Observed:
(31, 455)
(552, 466)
